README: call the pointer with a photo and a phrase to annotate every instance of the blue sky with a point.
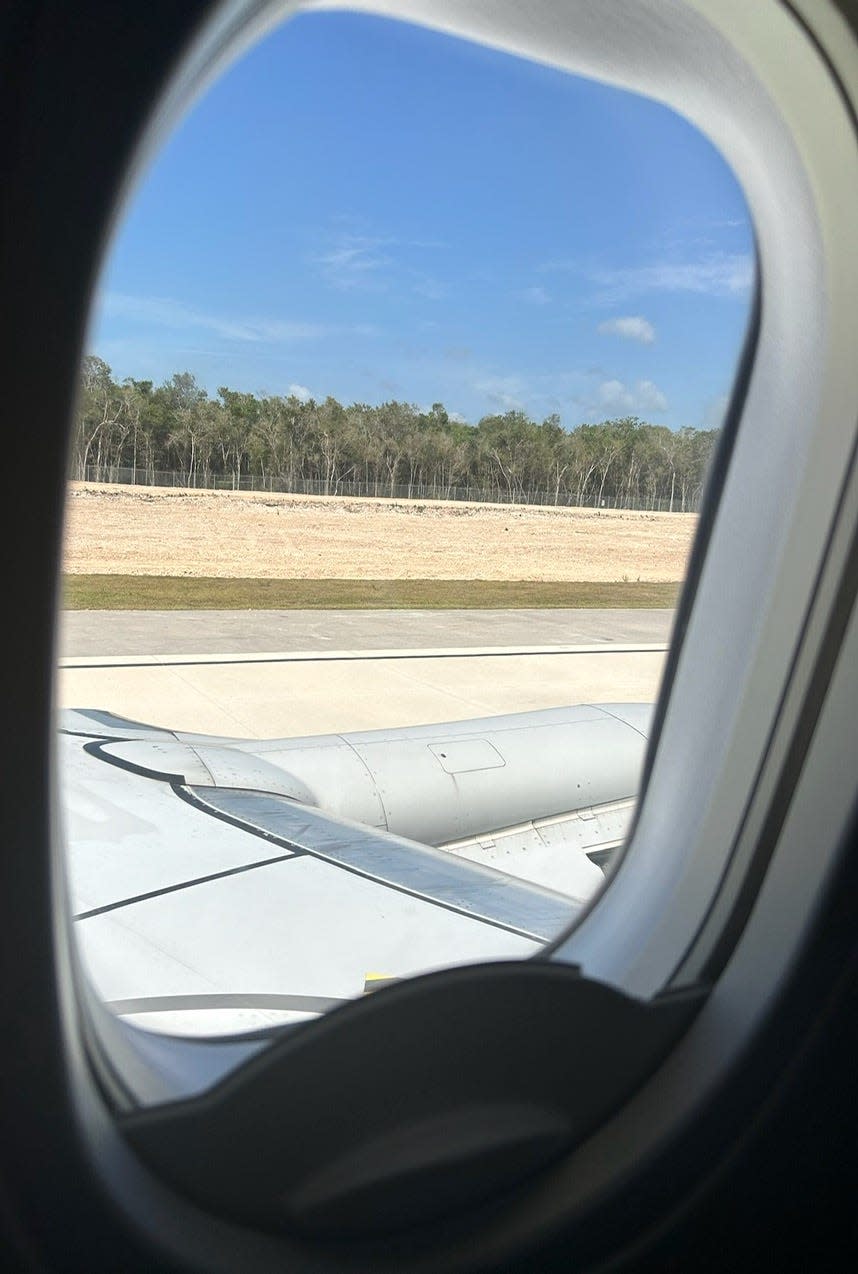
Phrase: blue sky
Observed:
(371, 210)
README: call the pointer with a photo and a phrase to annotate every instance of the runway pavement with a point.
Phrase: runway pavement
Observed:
(239, 632)
(260, 674)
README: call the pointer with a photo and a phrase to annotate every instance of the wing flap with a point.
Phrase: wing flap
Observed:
(472, 889)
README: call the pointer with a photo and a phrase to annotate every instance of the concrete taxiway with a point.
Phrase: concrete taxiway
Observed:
(241, 631)
(259, 674)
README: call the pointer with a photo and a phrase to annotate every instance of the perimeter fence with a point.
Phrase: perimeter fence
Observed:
(207, 481)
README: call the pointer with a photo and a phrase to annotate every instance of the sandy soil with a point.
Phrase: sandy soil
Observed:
(113, 529)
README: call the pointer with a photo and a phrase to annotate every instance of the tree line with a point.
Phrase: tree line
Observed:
(291, 444)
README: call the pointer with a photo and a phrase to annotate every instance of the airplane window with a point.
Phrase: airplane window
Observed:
(405, 370)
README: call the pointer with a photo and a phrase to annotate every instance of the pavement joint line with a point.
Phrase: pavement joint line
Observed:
(95, 662)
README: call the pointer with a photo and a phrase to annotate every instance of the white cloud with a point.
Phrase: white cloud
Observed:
(355, 261)
(720, 274)
(613, 393)
(502, 391)
(161, 311)
(536, 296)
(301, 392)
(428, 287)
(650, 396)
(643, 396)
(632, 328)
(717, 274)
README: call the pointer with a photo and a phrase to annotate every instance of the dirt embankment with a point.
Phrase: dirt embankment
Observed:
(113, 529)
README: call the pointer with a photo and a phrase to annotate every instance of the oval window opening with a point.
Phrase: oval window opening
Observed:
(404, 373)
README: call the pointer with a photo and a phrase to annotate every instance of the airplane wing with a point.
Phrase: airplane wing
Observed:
(214, 892)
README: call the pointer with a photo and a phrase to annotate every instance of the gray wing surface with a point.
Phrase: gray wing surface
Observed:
(223, 885)
(430, 874)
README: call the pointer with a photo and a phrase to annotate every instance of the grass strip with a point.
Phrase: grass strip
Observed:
(171, 592)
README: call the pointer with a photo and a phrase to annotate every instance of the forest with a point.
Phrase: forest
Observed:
(176, 433)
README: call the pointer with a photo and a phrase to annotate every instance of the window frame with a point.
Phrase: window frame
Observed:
(792, 623)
